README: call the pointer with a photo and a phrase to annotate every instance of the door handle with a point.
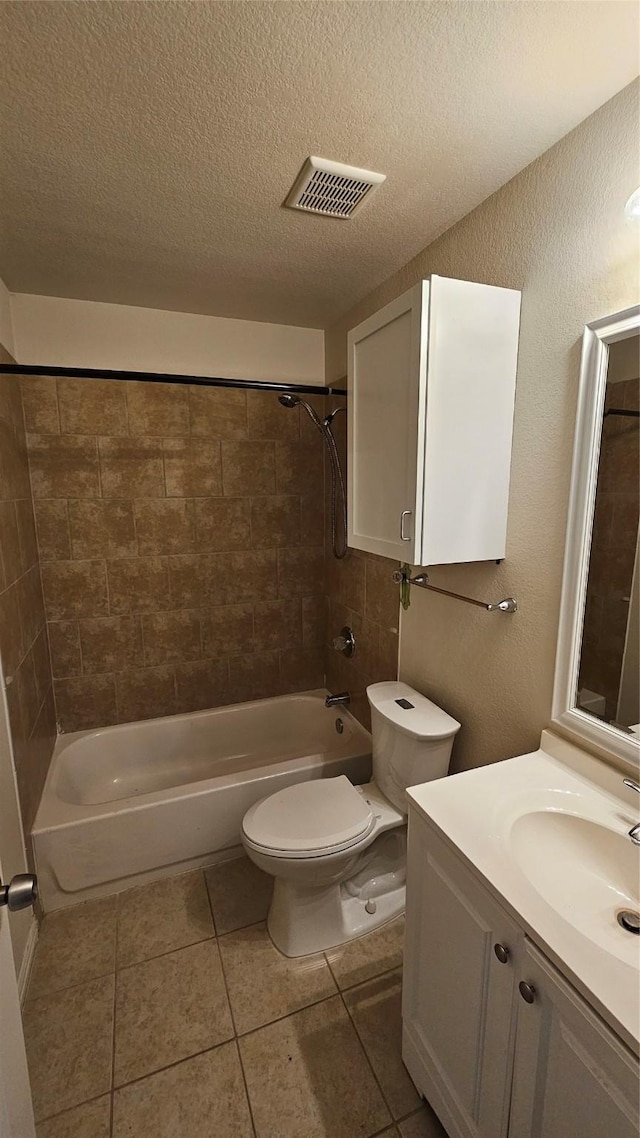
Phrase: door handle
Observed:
(20, 893)
(403, 515)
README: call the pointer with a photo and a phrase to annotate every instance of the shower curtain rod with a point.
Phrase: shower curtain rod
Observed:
(168, 377)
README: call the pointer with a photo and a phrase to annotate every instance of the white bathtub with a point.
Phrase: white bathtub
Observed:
(125, 805)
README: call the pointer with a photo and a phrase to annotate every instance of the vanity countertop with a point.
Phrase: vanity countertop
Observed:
(548, 833)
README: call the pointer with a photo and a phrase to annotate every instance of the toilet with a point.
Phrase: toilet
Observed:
(338, 851)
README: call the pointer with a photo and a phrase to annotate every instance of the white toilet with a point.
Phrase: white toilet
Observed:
(338, 851)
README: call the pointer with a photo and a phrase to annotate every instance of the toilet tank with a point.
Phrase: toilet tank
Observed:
(412, 739)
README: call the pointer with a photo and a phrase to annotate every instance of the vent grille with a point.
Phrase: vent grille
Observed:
(332, 189)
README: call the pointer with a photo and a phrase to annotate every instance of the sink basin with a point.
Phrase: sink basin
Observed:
(585, 871)
(548, 834)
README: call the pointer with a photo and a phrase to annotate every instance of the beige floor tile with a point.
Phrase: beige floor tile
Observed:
(265, 985)
(69, 1043)
(161, 917)
(369, 956)
(376, 1010)
(424, 1124)
(169, 1008)
(308, 1077)
(74, 945)
(240, 894)
(201, 1098)
(91, 1120)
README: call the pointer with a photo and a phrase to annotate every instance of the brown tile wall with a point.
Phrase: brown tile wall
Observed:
(23, 636)
(613, 549)
(360, 594)
(180, 531)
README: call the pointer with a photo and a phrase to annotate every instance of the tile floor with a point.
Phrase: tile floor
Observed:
(166, 1012)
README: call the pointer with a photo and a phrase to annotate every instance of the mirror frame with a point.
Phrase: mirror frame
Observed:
(591, 732)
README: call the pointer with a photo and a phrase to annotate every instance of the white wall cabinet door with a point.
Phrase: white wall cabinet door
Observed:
(432, 388)
(386, 418)
(571, 1074)
(458, 1002)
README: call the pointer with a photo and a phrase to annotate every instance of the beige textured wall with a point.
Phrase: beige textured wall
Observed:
(181, 537)
(557, 232)
(23, 636)
(54, 331)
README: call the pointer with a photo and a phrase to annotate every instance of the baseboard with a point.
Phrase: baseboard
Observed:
(27, 960)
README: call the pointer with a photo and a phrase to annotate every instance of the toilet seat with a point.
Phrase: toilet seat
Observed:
(311, 819)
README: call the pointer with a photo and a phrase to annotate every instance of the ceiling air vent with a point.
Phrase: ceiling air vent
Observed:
(331, 188)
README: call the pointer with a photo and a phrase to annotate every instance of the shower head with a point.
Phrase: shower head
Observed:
(288, 400)
(331, 416)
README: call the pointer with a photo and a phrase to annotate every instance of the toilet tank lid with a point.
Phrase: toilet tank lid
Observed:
(422, 719)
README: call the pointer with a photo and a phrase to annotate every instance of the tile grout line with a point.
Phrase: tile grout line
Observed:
(350, 988)
(167, 1067)
(369, 1064)
(287, 1015)
(69, 1109)
(244, 1080)
(125, 967)
(233, 1019)
(115, 993)
(412, 1114)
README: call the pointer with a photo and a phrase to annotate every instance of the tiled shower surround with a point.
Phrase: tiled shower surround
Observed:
(180, 532)
(360, 594)
(23, 636)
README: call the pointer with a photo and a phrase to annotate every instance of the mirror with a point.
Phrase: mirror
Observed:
(597, 682)
(609, 677)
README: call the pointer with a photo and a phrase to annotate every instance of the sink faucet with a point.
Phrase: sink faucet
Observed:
(344, 699)
(634, 833)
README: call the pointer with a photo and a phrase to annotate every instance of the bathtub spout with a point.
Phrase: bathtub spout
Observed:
(341, 700)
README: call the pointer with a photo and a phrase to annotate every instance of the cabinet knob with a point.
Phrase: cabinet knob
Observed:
(527, 991)
(502, 952)
(405, 514)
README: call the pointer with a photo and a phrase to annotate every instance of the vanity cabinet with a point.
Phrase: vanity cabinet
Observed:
(431, 382)
(489, 1062)
(571, 1074)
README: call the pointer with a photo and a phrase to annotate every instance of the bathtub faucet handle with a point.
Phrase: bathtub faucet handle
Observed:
(343, 699)
(345, 642)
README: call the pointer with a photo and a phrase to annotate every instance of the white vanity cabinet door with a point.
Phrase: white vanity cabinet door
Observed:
(571, 1074)
(386, 417)
(458, 999)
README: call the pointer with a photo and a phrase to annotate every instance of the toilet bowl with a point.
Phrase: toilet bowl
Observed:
(337, 851)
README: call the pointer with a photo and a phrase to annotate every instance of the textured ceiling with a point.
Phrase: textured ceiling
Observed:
(147, 147)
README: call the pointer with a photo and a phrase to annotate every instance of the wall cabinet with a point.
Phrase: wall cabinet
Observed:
(431, 395)
(490, 1062)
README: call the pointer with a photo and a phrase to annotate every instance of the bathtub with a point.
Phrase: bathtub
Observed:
(126, 805)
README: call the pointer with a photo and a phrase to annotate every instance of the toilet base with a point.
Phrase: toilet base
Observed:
(304, 920)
